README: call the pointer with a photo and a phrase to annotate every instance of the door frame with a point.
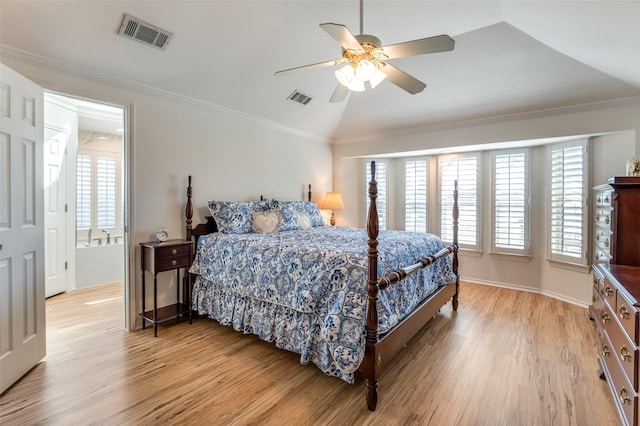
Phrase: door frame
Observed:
(127, 152)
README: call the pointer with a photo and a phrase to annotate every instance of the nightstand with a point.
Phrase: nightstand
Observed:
(160, 256)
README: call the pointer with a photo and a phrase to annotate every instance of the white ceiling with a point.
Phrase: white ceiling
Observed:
(510, 57)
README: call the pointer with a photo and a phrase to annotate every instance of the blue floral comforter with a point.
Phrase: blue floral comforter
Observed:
(306, 290)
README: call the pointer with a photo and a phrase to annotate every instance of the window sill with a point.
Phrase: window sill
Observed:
(470, 252)
(570, 266)
(514, 257)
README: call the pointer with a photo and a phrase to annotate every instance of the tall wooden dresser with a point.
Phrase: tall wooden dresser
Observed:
(616, 290)
(617, 221)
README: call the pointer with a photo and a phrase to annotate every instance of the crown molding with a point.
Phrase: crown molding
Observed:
(499, 119)
(104, 78)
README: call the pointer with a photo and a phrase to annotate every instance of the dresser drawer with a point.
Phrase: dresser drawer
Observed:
(625, 397)
(171, 251)
(173, 262)
(627, 315)
(625, 350)
(605, 318)
(603, 198)
(603, 218)
(609, 293)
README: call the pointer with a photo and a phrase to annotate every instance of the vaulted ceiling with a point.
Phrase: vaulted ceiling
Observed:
(510, 57)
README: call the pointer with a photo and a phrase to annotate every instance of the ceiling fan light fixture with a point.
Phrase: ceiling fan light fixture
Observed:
(356, 85)
(365, 69)
(377, 78)
(345, 75)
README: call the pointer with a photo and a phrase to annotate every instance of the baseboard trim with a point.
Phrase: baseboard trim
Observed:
(529, 290)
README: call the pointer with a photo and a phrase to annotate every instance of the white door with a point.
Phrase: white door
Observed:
(60, 133)
(22, 308)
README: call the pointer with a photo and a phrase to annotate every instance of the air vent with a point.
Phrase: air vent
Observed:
(137, 29)
(299, 98)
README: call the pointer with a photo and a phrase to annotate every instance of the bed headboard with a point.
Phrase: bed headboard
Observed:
(210, 226)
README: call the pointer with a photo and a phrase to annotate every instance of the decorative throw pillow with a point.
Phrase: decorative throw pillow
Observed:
(303, 220)
(266, 222)
(310, 208)
(290, 209)
(234, 217)
(289, 219)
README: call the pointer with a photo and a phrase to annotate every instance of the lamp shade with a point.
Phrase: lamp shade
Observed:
(332, 201)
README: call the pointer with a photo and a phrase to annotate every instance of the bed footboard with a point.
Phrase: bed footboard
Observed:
(381, 349)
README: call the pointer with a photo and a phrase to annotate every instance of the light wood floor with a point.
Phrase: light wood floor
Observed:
(505, 358)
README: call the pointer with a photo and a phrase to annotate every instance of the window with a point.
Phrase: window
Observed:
(99, 189)
(568, 198)
(83, 192)
(465, 169)
(415, 195)
(381, 201)
(510, 201)
(106, 192)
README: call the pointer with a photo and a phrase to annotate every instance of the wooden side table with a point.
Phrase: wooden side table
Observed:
(160, 256)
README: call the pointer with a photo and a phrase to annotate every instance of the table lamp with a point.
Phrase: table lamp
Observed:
(332, 201)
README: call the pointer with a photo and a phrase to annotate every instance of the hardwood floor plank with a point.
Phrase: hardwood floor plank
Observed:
(505, 358)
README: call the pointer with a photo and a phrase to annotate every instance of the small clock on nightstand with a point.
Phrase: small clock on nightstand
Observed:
(162, 234)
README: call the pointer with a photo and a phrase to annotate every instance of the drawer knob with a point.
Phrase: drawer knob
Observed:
(624, 312)
(604, 317)
(624, 396)
(174, 262)
(625, 355)
(174, 251)
(604, 350)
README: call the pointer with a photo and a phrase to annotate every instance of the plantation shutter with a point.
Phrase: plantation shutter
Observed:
(106, 192)
(415, 205)
(381, 201)
(568, 202)
(510, 201)
(83, 192)
(464, 169)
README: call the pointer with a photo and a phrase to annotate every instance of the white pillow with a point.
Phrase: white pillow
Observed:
(303, 220)
(267, 222)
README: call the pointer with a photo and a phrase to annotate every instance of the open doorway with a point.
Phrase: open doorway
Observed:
(85, 193)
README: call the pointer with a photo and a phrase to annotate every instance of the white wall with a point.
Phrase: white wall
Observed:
(609, 155)
(229, 156)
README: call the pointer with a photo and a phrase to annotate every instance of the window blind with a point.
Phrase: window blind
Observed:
(464, 169)
(510, 201)
(106, 192)
(83, 192)
(567, 201)
(415, 199)
(381, 201)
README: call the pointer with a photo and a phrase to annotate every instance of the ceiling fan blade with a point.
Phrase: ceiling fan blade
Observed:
(340, 94)
(441, 43)
(342, 35)
(403, 80)
(311, 66)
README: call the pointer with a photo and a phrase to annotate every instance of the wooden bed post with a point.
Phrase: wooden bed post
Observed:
(309, 193)
(455, 214)
(189, 211)
(372, 370)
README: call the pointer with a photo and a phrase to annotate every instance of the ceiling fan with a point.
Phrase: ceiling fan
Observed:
(366, 60)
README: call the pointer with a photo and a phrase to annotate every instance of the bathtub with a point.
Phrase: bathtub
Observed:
(99, 264)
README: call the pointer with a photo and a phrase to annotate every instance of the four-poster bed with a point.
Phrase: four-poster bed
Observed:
(312, 298)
